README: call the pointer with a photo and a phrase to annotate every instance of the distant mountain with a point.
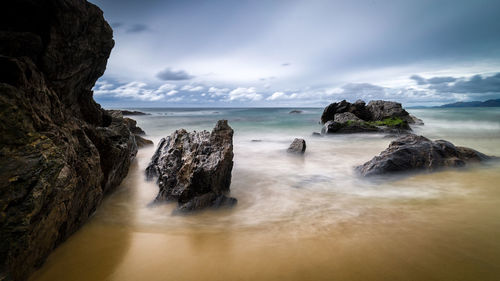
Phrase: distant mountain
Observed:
(488, 103)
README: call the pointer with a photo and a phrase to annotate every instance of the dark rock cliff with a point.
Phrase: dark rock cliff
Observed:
(59, 151)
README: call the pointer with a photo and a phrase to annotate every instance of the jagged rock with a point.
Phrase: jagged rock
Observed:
(413, 152)
(345, 117)
(59, 151)
(142, 142)
(357, 109)
(378, 116)
(298, 146)
(132, 125)
(380, 110)
(133, 112)
(194, 168)
(295, 111)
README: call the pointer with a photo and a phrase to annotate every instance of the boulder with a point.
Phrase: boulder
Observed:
(194, 168)
(378, 116)
(380, 110)
(345, 117)
(60, 153)
(414, 153)
(357, 109)
(298, 146)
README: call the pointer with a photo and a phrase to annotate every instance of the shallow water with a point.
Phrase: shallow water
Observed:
(301, 218)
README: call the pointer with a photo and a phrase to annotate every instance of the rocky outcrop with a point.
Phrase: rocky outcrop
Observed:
(59, 151)
(298, 146)
(345, 117)
(134, 129)
(194, 168)
(358, 109)
(133, 112)
(377, 116)
(413, 153)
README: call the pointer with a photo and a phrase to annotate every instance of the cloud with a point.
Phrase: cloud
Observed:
(134, 91)
(285, 64)
(440, 80)
(434, 80)
(192, 88)
(419, 79)
(216, 90)
(282, 96)
(169, 74)
(476, 84)
(137, 28)
(244, 94)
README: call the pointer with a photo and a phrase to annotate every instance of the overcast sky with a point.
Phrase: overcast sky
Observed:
(300, 53)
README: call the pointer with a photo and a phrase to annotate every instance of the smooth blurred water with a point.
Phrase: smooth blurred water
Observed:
(304, 217)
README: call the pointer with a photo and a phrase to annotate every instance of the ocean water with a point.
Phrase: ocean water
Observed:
(304, 217)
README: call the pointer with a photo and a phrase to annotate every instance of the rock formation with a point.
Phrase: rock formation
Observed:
(133, 112)
(59, 151)
(134, 129)
(295, 111)
(377, 116)
(194, 168)
(298, 146)
(412, 152)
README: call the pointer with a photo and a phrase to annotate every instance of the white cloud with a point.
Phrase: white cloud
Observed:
(218, 91)
(133, 90)
(241, 93)
(192, 88)
(282, 96)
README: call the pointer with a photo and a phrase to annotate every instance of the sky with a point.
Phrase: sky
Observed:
(240, 53)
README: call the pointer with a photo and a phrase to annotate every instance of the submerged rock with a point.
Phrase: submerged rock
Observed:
(194, 168)
(298, 146)
(60, 153)
(295, 111)
(413, 152)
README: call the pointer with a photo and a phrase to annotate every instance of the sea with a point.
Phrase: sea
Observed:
(300, 217)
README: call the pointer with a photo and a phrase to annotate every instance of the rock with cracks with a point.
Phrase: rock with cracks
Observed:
(417, 153)
(60, 153)
(194, 168)
(298, 146)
